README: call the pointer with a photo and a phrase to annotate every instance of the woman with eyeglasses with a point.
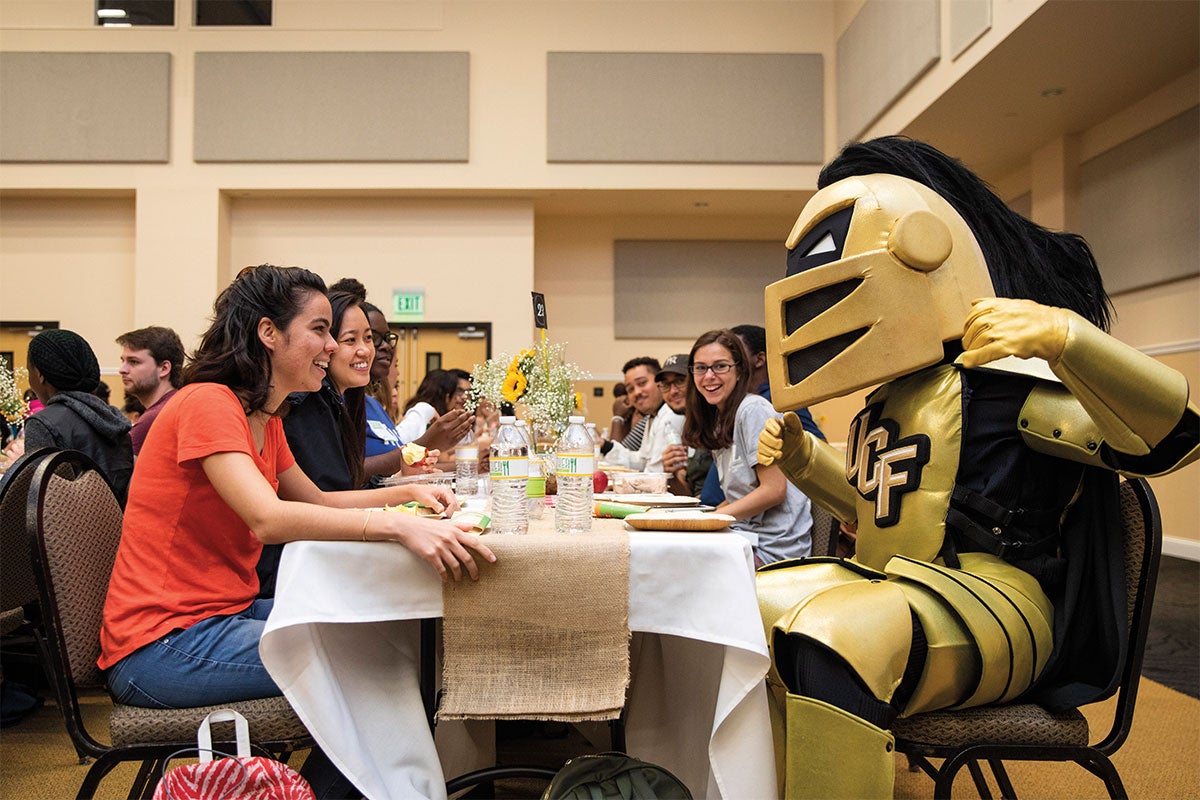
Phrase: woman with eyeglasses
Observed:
(383, 440)
(725, 417)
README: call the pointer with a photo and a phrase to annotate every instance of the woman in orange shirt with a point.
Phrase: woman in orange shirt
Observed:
(215, 481)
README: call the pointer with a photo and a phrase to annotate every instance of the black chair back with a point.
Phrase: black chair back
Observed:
(74, 524)
(824, 531)
(17, 586)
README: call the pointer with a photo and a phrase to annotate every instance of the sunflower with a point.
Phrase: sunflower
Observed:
(514, 386)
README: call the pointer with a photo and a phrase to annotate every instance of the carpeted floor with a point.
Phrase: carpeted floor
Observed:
(1161, 759)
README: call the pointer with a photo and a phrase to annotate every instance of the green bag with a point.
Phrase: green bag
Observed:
(614, 776)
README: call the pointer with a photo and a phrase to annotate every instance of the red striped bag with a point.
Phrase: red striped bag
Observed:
(240, 777)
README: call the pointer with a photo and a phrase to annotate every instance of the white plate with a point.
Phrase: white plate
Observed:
(430, 478)
(679, 521)
(664, 499)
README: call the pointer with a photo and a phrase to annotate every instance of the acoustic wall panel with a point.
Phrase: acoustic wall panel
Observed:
(1138, 206)
(85, 107)
(332, 106)
(969, 19)
(680, 289)
(883, 51)
(731, 108)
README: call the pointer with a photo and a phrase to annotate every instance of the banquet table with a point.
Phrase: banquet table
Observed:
(343, 644)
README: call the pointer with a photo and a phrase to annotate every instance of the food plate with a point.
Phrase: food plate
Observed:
(664, 499)
(427, 478)
(679, 521)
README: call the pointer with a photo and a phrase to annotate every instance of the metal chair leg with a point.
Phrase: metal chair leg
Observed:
(981, 784)
(1006, 788)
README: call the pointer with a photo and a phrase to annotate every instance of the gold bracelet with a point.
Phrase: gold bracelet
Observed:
(365, 521)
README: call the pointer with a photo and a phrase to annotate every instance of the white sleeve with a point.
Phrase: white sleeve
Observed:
(415, 422)
(655, 443)
(621, 456)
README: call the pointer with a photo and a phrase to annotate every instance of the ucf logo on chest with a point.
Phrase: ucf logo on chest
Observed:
(882, 466)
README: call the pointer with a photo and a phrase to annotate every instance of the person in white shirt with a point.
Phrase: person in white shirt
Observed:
(664, 426)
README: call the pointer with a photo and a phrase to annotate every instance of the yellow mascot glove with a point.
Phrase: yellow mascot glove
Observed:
(1004, 326)
(786, 443)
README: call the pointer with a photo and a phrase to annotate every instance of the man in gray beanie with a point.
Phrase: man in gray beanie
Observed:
(63, 371)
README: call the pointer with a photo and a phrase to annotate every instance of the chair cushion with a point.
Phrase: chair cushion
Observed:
(1023, 723)
(270, 719)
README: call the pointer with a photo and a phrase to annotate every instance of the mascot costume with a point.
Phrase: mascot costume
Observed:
(981, 475)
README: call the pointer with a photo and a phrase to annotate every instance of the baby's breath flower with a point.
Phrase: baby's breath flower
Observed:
(12, 405)
(536, 378)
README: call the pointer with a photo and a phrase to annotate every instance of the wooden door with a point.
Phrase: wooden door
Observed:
(427, 346)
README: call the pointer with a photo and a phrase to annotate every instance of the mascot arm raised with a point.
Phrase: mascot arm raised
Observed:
(815, 467)
(1139, 406)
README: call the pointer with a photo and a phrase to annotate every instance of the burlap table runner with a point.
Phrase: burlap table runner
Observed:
(543, 633)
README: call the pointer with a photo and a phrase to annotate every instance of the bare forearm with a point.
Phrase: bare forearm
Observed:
(770, 492)
(384, 464)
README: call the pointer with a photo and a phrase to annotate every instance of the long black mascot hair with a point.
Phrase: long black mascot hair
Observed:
(1024, 259)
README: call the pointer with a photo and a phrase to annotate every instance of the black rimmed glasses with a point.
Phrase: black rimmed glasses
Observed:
(390, 337)
(720, 368)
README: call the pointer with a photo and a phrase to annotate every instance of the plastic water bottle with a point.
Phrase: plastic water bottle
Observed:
(576, 462)
(591, 429)
(466, 465)
(509, 474)
(535, 485)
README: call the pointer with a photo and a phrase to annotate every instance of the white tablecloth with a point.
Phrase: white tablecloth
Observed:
(342, 643)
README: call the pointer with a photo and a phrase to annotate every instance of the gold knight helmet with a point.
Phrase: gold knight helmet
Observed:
(881, 271)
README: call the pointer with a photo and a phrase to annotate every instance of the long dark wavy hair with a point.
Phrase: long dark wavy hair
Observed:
(436, 388)
(1025, 260)
(707, 426)
(230, 352)
(353, 422)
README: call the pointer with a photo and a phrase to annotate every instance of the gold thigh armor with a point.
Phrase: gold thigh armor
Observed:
(988, 626)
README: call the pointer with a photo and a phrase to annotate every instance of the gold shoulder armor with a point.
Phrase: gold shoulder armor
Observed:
(1053, 422)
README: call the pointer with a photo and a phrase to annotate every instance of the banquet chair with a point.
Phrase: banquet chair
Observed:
(18, 590)
(1028, 732)
(824, 531)
(74, 525)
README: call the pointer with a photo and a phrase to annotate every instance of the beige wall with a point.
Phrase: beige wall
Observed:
(1162, 320)
(161, 240)
(473, 258)
(70, 260)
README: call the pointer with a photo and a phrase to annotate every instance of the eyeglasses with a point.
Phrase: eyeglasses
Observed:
(720, 368)
(389, 337)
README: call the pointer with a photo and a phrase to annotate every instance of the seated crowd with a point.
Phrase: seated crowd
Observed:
(283, 425)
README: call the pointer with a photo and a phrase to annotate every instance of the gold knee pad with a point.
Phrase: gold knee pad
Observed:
(867, 623)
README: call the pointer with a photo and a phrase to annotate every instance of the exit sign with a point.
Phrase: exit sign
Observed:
(408, 304)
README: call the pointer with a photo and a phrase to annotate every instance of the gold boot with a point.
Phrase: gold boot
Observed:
(834, 755)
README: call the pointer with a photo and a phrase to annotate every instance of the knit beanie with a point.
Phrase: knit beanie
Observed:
(65, 360)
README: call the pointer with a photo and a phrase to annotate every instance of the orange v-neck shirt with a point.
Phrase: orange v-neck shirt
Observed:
(185, 555)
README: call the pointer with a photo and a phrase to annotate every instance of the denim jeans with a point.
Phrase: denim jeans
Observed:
(214, 661)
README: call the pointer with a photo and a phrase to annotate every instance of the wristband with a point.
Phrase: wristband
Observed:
(365, 521)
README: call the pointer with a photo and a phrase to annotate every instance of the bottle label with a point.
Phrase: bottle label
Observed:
(576, 464)
(466, 454)
(507, 469)
(673, 437)
(536, 487)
